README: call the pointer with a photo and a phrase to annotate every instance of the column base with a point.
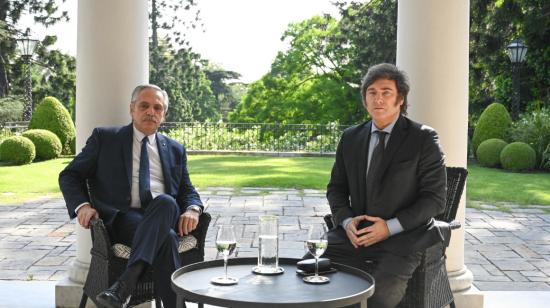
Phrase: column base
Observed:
(471, 298)
(465, 293)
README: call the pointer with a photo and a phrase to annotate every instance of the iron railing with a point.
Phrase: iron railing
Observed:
(268, 137)
(250, 137)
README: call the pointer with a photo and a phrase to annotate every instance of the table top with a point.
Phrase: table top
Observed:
(347, 286)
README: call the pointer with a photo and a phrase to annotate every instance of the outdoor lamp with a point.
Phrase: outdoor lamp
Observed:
(516, 51)
(26, 46)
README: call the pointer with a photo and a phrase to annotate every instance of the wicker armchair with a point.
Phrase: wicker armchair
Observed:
(429, 286)
(108, 262)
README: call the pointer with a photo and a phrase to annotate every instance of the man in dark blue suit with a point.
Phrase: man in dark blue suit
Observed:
(136, 180)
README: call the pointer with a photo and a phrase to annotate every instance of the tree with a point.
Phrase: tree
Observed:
(44, 12)
(222, 91)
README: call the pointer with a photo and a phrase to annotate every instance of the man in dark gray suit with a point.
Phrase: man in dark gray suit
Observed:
(136, 180)
(387, 183)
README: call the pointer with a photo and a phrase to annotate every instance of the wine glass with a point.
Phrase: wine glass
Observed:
(317, 243)
(226, 244)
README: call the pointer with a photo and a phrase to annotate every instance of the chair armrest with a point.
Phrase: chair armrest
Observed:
(202, 228)
(329, 221)
(455, 224)
(101, 244)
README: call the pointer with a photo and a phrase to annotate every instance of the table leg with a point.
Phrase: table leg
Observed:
(364, 303)
(179, 301)
(201, 305)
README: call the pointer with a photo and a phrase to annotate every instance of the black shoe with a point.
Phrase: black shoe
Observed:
(117, 296)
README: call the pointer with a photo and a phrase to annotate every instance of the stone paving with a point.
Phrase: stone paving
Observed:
(507, 248)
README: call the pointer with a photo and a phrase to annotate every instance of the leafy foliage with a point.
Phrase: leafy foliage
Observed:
(46, 143)
(11, 108)
(51, 115)
(18, 150)
(534, 129)
(493, 25)
(518, 156)
(488, 152)
(494, 122)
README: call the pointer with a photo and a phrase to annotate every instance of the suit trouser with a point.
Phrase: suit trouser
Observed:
(152, 236)
(391, 272)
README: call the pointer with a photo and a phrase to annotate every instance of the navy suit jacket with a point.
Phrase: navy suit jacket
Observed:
(102, 173)
(410, 186)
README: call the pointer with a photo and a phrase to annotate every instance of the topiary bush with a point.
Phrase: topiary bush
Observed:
(518, 156)
(46, 143)
(488, 152)
(494, 122)
(18, 150)
(51, 115)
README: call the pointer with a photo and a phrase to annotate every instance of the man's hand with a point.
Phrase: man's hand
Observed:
(373, 234)
(351, 230)
(188, 222)
(85, 214)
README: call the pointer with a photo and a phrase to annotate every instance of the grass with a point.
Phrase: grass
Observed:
(30, 182)
(497, 185)
(23, 183)
(260, 171)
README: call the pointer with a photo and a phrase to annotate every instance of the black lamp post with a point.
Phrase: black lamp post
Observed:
(26, 47)
(516, 51)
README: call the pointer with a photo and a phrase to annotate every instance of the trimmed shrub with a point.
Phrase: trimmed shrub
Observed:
(488, 152)
(51, 115)
(533, 128)
(11, 108)
(494, 122)
(46, 143)
(518, 156)
(18, 150)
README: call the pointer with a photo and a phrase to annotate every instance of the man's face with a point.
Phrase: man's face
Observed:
(383, 102)
(148, 111)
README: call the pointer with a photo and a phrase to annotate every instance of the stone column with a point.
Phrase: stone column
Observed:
(432, 47)
(112, 58)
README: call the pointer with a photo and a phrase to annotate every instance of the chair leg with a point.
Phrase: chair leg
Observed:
(157, 302)
(452, 304)
(83, 300)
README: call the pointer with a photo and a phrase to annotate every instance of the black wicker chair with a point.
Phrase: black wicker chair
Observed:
(106, 267)
(429, 286)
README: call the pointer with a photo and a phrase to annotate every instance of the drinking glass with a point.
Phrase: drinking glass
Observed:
(268, 247)
(226, 244)
(317, 243)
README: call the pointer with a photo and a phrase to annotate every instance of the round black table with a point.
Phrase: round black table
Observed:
(347, 286)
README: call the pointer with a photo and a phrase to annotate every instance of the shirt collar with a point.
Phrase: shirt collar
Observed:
(388, 129)
(139, 136)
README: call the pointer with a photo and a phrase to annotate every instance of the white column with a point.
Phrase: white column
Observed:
(112, 58)
(432, 47)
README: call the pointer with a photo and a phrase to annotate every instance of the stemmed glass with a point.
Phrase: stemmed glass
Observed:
(317, 243)
(226, 244)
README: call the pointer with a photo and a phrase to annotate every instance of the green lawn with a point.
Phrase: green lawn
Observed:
(23, 183)
(497, 185)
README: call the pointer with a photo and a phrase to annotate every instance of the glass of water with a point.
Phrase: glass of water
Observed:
(226, 243)
(268, 249)
(317, 243)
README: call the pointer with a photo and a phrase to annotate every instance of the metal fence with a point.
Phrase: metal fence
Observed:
(249, 137)
(299, 138)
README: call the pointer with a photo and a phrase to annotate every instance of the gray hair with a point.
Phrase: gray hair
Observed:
(142, 87)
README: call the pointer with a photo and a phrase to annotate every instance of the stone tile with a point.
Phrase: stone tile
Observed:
(515, 275)
(512, 265)
(501, 254)
(512, 286)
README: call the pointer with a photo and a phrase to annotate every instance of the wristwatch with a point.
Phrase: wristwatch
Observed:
(195, 208)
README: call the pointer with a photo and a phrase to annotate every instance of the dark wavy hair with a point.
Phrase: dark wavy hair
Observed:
(390, 72)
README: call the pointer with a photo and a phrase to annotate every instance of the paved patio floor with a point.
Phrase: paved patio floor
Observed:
(506, 251)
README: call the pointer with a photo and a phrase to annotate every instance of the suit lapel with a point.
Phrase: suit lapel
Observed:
(127, 144)
(398, 135)
(164, 156)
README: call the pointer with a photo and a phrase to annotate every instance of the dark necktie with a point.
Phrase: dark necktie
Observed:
(375, 161)
(144, 176)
